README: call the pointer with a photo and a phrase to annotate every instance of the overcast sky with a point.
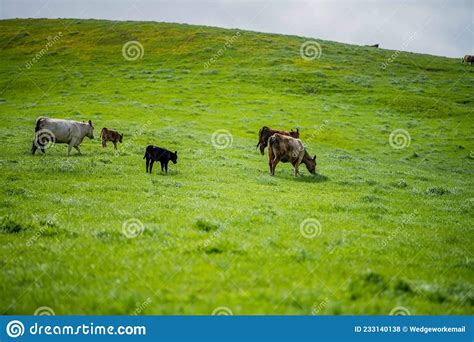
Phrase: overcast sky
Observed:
(438, 27)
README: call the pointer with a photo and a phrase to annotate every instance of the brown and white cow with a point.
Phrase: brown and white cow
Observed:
(266, 132)
(285, 149)
(468, 59)
(110, 135)
(58, 131)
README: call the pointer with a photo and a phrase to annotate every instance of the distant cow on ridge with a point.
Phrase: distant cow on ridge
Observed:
(50, 131)
(266, 132)
(285, 149)
(110, 135)
(468, 59)
(155, 153)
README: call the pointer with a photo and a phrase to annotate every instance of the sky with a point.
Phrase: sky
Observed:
(437, 27)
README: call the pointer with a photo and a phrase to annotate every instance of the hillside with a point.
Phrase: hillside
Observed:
(382, 225)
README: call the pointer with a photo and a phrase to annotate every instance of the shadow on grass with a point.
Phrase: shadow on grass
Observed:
(318, 178)
(164, 174)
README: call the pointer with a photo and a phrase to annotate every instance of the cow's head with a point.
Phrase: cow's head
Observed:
(174, 157)
(262, 144)
(311, 164)
(90, 130)
(295, 134)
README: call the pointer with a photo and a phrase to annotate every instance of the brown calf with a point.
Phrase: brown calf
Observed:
(286, 149)
(266, 132)
(110, 135)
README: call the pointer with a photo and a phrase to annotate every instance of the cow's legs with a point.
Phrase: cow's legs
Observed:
(270, 159)
(78, 149)
(296, 170)
(147, 163)
(166, 167)
(297, 163)
(69, 147)
(115, 144)
(274, 164)
(151, 165)
(104, 143)
(162, 166)
(33, 148)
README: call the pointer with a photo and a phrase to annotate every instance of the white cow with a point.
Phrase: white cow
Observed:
(59, 131)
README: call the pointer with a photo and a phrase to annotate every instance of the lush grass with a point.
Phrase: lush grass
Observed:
(396, 225)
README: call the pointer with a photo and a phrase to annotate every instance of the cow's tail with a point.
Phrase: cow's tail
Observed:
(102, 133)
(272, 140)
(272, 146)
(35, 144)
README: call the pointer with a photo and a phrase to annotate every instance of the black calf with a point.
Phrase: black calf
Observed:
(155, 153)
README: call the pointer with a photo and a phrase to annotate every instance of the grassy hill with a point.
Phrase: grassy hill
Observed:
(380, 226)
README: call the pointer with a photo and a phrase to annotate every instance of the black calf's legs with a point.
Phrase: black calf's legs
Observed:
(33, 148)
(164, 166)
